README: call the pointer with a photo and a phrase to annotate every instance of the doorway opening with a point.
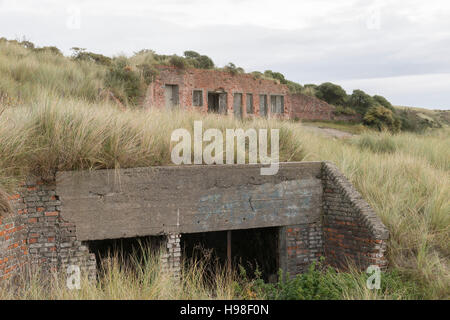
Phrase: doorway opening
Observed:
(252, 249)
(217, 102)
(171, 94)
(129, 251)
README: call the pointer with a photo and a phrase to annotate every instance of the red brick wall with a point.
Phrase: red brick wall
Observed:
(212, 80)
(303, 247)
(34, 234)
(13, 243)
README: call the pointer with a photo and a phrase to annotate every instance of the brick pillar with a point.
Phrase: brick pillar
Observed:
(172, 259)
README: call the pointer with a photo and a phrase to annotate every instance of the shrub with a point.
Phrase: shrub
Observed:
(233, 69)
(178, 62)
(344, 110)
(382, 119)
(79, 54)
(197, 60)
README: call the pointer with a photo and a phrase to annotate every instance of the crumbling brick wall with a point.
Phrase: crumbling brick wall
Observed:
(352, 230)
(310, 108)
(35, 237)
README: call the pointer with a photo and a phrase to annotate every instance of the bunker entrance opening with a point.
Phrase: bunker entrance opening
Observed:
(253, 249)
(128, 251)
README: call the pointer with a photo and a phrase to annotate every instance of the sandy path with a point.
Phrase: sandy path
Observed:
(328, 132)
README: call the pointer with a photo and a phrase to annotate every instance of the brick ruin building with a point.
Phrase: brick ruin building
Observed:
(240, 95)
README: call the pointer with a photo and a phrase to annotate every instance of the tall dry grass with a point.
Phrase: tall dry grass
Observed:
(65, 134)
(134, 279)
(409, 188)
(26, 74)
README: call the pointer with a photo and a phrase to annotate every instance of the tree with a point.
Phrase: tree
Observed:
(191, 54)
(331, 93)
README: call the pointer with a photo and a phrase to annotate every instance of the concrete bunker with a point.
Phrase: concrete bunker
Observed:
(310, 209)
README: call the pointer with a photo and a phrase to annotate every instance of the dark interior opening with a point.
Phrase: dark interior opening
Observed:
(217, 102)
(253, 249)
(127, 249)
(213, 102)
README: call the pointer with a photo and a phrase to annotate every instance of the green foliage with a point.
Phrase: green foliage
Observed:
(80, 54)
(361, 101)
(197, 60)
(331, 93)
(381, 118)
(178, 62)
(233, 69)
(275, 75)
(148, 72)
(383, 101)
(204, 62)
(410, 121)
(325, 283)
(257, 75)
(344, 110)
(192, 54)
(125, 83)
(311, 285)
(294, 87)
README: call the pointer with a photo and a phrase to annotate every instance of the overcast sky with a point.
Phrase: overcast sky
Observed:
(399, 49)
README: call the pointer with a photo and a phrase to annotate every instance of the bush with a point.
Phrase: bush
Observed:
(383, 101)
(331, 93)
(361, 101)
(382, 119)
